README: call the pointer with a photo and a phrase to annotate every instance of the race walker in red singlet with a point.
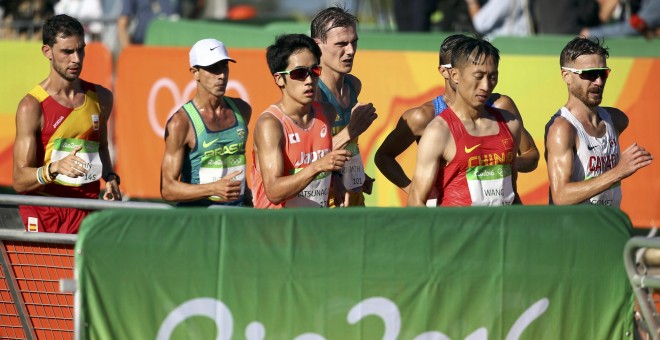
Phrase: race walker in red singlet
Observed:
(481, 171)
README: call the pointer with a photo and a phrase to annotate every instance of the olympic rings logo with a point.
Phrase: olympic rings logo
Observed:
(180, 98)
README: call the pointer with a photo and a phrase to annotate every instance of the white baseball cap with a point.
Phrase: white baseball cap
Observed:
(207, 52)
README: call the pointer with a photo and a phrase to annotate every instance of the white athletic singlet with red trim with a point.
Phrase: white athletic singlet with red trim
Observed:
(301, 147)
(480, 172)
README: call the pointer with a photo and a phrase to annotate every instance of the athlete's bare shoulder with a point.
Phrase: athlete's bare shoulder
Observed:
(268, 131)
(438, 134)
(504, 102)
(438, 125)
(507, 115)
(419, 117)
(560, 129)
(28, 115)
(29, 104)
(178, 123)
(267, 120)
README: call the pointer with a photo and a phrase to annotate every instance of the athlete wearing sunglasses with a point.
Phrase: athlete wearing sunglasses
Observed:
(301, 73)
(582, 138)
(590, 74)
(293, 145)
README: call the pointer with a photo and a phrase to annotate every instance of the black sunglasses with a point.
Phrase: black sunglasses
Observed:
(301, 73)
(590, 74)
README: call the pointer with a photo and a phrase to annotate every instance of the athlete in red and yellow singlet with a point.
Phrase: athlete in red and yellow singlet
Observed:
(301, 147)
(61, 145)
(63, 130)
(480, 172)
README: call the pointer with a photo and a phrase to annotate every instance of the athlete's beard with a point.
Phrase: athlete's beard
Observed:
(591, 101)
(583, 96)
(64, 74)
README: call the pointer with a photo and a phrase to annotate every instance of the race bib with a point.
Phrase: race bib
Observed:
(89, 153)
(610, 197)
(353, 170)
(432, 201)
(214, 168)
(490, 185)
(315, 194)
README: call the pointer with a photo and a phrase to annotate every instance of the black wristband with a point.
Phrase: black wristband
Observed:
(112, 176)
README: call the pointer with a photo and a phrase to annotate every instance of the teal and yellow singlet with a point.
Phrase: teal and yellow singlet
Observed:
(353, 171)
(216, 154)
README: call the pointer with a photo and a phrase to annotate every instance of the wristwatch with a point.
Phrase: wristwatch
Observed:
(110, 176)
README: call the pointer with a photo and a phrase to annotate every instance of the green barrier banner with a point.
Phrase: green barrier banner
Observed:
(373, 273)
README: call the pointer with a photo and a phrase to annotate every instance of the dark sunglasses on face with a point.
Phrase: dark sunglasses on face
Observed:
(301, 73)
(590, 74)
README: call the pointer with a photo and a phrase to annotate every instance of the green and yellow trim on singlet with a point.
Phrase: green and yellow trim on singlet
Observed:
(69, 128)
(216, 153)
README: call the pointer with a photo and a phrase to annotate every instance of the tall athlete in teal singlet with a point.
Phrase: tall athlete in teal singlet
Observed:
(204, 160)
(335, 31)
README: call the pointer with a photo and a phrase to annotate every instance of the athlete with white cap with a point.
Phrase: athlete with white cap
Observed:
(204, 160)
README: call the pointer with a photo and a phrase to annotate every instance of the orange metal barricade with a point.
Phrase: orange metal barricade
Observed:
(31, 267)
(30, 298)
(10, 322)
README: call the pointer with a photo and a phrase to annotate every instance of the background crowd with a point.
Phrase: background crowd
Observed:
(120, 22)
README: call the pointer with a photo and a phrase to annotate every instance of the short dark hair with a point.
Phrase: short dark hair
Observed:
(330, 18)
(448, 45)
(472, 50)
(61, 25)
(582, 46)
(277, 54)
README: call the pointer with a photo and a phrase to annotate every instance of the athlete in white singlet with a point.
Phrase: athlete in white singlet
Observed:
(585, 164)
